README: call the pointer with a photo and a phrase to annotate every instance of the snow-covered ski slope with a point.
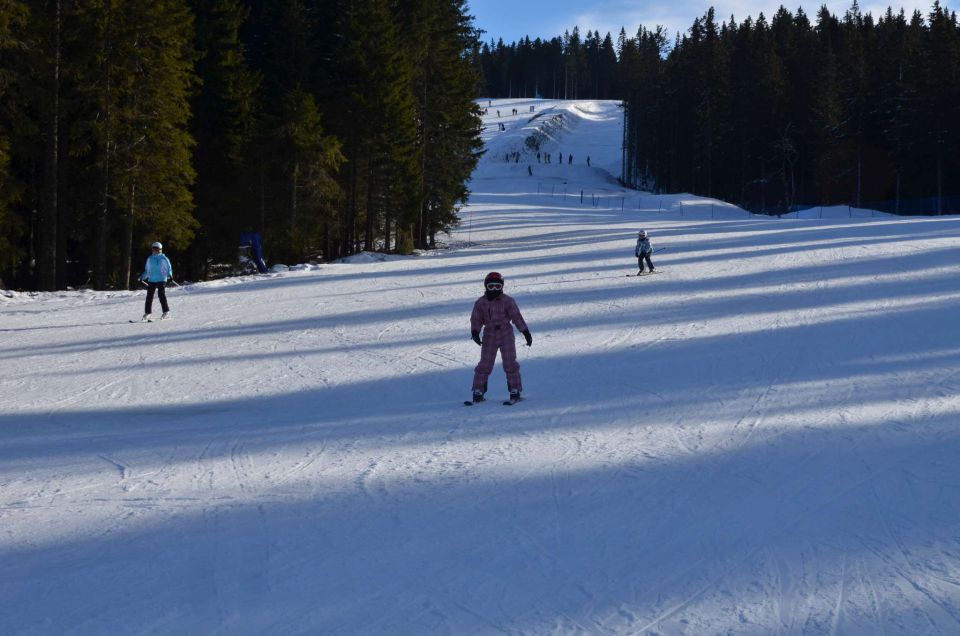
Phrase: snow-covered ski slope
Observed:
(763, 439)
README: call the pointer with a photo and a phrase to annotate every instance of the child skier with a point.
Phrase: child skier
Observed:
(493, 312)
(156, 273)
(643, 251)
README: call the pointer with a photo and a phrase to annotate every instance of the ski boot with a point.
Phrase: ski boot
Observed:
(146, 318)
(165, 316)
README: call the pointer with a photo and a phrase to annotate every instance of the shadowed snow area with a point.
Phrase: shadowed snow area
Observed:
(762, 438)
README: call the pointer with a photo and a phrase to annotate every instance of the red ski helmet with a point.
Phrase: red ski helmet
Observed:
(493, 277)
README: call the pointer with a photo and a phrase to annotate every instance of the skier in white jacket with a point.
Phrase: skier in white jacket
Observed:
(643, 251)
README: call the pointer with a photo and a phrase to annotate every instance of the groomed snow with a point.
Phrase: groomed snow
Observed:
(764, 438)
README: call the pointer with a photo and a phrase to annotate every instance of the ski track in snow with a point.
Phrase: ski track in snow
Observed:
(762, 439)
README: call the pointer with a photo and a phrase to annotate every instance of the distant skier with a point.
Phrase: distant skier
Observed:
(156, 272)
(643, 251)
(529, 170)
(569, 159)
(493, 312)
(588, 161)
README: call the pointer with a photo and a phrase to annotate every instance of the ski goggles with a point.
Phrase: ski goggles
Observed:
(494, 286)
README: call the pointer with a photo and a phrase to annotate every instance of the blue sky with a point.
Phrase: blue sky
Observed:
(512, 19)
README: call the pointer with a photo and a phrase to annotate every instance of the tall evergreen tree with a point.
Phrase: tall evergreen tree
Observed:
(942, 91)
(47, 62)
(225, 122)
(13, 18)
(154, 171)
(129, 132)
(379, 138)
(310, 160)
(449, 122)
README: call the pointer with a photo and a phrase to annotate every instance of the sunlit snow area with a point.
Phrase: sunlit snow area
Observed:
(762, 438)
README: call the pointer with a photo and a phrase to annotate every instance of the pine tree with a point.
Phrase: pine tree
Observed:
(711, 74)
(831, 157)
(226, 117)
(449, 130)
(942, 91)
(606, 70)
(283, 39)
(153, 171)
(381, 178)
(310, 160)
(13, 18)
(46, 61)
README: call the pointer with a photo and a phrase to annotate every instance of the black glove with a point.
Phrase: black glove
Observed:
(528, 337)
(476, 337)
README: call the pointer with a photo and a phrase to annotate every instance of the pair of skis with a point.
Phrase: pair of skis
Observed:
(148, 320)
(505, 402)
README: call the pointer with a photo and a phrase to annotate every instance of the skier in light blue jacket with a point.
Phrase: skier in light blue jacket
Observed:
(156, 273)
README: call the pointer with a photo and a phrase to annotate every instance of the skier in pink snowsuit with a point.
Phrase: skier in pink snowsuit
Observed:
(493, 312)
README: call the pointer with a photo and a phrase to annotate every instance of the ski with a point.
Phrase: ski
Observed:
(512, 402)
(135, 321)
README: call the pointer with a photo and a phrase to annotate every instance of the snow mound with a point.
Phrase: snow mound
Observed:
(837, 212)
(369, 257)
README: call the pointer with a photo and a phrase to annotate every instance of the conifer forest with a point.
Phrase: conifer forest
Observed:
(332, 127)
(328, 126)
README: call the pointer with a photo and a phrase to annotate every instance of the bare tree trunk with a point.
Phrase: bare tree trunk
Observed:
(896, 209)
(369, 237)
(263, 200)
(421, 230)
(63, 217)
(859, 168)
(47, 252)
(763, 186)
(940, 175)
(127, 247)
(350, 207)
(103, 213)
(293, 199)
